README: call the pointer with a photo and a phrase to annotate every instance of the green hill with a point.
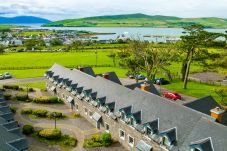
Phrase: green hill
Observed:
(139, 20)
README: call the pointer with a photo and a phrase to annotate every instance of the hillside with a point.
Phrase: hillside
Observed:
(23, 20)
(139, 20)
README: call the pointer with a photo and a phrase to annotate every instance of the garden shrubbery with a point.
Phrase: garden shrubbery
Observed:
(28, 129)
(98, 141)
(7, 96)
(42, 113)
(50, 133)
(45, 99)
(27, 111)
(13, 108)
(22, 97)
(12, 87)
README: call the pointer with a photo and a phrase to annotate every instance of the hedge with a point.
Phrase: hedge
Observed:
(12, 87)
(26, 111)
(7, 96)
(98, 141)
(46, 99)
(28, 129)
(40, 113)
(13, 108)
(22, 97)
(50, 133)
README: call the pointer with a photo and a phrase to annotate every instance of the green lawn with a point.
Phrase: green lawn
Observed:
(195, 89)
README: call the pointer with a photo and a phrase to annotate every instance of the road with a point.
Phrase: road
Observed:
(14, 80)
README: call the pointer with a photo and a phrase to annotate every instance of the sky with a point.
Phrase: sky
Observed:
(66, 9)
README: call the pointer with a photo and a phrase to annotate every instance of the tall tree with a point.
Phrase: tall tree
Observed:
(194, 38)
(147, 57)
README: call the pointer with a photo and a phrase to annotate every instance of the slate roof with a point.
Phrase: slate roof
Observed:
(112, 76)
(11, 138)
(203, 105)
(152, 107)
(152, 88)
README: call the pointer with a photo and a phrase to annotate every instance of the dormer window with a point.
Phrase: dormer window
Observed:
(202, 145)
(122, 116)
(148, 131)
(169, 137)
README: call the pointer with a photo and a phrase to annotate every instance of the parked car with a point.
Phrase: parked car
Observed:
(1, 77)
(161, 81)
(172, 95)
(7, 75)
(131, 76)
(140, 77)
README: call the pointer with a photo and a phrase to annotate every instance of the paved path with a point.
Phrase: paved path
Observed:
(15, 80)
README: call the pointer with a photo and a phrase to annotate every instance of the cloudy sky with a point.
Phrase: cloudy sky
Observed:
(62, 9)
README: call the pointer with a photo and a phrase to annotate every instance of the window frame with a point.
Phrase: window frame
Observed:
(133, 140)
(121, 137)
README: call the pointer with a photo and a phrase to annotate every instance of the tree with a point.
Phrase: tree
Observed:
(222, 93)
(113, 56)
(31, 43)
(56, 42)
(2, 48)
(147, 57)
(194, 39)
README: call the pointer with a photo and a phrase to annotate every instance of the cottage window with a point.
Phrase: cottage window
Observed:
(107, 127)
(122, 134)
(77, 107)
(166, 141)
(148, 132)
(90, 114)
(122, 116)
(130, 140)
(85, 111)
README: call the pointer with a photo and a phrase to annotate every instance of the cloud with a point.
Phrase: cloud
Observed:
(62, 9)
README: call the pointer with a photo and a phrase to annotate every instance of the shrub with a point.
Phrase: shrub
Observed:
(7, 96)
(106, 139)
(27, 129)
(26, 111)
(96, 138)
(56, 115)
(13, 109)
(50, 133)
(69, 141)
(31, 90)
(40, 113)
(12, 87)
(76, 115)
(22, 97)
(46, 99)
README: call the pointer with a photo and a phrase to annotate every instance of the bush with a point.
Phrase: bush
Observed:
(12, 87)
(26, 111)
(98, 141)
(106, 139)
(7, 96)
(46, 99)
(56, 115)
(31, 90)
(13, 109)
(22, 97)
(27, 129)
(76, 115)
(40, 113)
(50, 133)
(68, 141)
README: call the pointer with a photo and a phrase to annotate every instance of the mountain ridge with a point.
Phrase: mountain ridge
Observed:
(139, 20)
(23, 20)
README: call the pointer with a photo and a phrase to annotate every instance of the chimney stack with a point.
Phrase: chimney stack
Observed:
(145, 86)
(105, 75)
(217, 113)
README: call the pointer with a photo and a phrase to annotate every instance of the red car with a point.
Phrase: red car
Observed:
(172, 95)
